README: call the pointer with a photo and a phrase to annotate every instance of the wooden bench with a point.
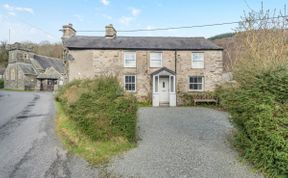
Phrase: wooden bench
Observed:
(211, 100)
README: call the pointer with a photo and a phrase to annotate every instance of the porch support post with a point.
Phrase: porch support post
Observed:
(172, 93)
(155, 99)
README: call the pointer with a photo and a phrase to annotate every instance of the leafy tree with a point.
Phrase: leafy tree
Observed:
(3, 54)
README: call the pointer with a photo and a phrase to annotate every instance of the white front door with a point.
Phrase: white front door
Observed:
(164, 90)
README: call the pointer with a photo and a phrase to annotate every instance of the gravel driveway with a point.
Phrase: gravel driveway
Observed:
(182, 142)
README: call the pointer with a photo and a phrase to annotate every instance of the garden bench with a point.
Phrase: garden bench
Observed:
(212, 100)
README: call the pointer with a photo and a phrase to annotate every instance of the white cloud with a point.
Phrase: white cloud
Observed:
(135, 12)
(149, 27)
(21, 32)
(105, 2)
(14, 9)
(12, 13)
(125, 20)
(106, 16)
(79, 17)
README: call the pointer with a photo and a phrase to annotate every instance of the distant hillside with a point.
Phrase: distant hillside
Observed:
(220, 36)
(229, 43)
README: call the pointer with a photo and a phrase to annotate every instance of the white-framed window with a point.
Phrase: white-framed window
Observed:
(129, 59)
(196, 83)
(155, 59)
(197, 60)
(130, 83)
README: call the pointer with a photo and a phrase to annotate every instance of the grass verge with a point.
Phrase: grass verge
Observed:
(16, 90)
(95, 152)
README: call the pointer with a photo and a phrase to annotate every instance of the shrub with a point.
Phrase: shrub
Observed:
(1, 83)
(259, 109)
(100, 108)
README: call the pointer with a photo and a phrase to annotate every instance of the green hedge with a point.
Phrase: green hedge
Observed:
(259, 109)
(1, 83)
(100, 108)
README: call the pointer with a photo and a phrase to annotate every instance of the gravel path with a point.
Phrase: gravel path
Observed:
(181, 142)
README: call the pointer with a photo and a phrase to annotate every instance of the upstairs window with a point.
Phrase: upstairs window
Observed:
(129, 59)
(196, 83)
(130, 83)
(156, 59)
(198, 60)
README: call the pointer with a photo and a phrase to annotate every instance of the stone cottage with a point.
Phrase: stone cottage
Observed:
(29, 71)
(153, 68)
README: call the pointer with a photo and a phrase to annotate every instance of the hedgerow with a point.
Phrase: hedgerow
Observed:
(259, 109)
(1, 83)
(100, 108)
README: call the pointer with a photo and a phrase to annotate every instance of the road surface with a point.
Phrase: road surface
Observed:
(28, 144)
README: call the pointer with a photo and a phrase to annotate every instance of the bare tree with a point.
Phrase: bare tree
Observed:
(262, 43)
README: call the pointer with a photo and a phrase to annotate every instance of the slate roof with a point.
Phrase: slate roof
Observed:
(47, 62)
(163, 69)
(50, 73)
(138, 43)
(27, 68)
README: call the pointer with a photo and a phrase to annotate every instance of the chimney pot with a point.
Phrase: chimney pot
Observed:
(68, 31)
(110, 31)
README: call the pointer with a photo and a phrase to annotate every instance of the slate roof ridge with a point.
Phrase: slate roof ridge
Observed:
(53, 58)
(180, 37)
(141, 42)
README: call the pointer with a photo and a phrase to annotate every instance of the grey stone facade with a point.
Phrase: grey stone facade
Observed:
(84, 62)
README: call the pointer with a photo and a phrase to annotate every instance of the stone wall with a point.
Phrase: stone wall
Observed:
(20, 81)
(91, 63)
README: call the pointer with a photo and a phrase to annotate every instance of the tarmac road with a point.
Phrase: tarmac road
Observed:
(28, 144)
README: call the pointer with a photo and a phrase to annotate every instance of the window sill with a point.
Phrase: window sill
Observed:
(129, 66)
(198, 68)
(130, 91)
(195, 91)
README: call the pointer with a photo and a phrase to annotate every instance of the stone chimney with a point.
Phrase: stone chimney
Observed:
(110, 31)
(68, 31)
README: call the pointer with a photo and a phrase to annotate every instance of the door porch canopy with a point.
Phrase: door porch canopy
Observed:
(163, 72)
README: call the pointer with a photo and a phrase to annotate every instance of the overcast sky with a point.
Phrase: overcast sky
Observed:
(36, 21)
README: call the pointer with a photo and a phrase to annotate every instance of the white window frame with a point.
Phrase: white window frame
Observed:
(124, 58)
(194, 64)
(130, 83)
(161, 54)
(203, 78)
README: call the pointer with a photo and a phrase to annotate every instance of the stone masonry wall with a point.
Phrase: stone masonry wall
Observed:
(9, 83)
(21, 81)
(91, 63)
